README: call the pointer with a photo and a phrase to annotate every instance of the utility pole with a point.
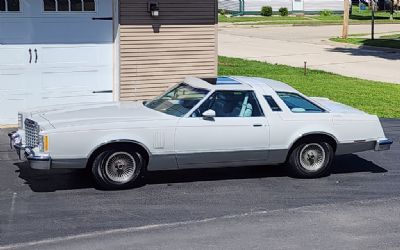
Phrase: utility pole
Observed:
(346, 14)
(373, 20)
(391, 10)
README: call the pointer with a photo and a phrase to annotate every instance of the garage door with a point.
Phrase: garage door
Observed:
(54, 52)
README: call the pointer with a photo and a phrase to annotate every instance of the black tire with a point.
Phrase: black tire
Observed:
(107, 168)
(303, 155)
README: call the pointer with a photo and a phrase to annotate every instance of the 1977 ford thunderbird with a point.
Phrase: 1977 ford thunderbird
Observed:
(200, 123)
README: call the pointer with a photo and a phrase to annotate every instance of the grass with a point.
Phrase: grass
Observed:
(386, 43)
(392, 36)
(382, 99)
(358, 17)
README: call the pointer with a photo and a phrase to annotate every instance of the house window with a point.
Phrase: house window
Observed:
(69, 5)
(9, 6)
(89, 5)
(49, 5)
(76, 5)
(63, 5)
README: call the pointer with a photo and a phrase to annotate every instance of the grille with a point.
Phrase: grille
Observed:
(31, 133)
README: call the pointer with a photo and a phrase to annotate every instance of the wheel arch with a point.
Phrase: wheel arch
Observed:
(113, 143)
(331, 139)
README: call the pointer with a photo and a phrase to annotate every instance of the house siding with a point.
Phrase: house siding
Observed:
(156, 53)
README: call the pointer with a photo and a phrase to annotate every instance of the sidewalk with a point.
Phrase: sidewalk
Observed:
(295, 45)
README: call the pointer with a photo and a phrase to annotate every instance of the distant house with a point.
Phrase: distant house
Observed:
(298, 6)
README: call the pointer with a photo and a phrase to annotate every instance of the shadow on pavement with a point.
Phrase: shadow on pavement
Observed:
(54, 180)
(42, 181)
(388, 53)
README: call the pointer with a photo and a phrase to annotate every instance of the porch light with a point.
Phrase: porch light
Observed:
(153, 8)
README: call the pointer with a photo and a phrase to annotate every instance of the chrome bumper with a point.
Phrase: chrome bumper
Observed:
(383, 144)
(40, 162)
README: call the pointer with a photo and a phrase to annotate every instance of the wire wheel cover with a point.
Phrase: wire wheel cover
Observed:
(312, 157)
(120, 167)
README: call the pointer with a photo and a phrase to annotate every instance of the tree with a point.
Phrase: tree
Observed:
(346, 14)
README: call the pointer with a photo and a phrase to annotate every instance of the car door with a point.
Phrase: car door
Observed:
(237, 135)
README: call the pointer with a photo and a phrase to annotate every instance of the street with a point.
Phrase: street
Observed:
(356, 207)
(293, 45)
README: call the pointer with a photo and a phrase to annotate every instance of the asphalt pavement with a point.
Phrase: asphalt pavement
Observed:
(356, 207)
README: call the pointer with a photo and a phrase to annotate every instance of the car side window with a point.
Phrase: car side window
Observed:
(298, 104)
(231, 104)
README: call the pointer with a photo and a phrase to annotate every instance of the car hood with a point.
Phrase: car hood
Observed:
(96, 114)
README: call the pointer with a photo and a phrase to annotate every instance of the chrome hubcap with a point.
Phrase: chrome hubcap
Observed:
(120, 167)
(312, 157)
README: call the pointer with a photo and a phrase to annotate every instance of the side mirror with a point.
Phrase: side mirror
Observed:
(209, 114)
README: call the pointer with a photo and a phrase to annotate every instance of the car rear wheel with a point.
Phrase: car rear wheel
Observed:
(311, 159)
(117, 168)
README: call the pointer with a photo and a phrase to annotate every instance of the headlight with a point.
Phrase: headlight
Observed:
(20, 121)
(44, 143)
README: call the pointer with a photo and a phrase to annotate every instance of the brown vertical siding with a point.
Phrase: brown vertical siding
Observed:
(156, 53)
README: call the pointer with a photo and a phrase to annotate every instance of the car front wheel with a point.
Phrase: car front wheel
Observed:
(311, 159)
(117, 168)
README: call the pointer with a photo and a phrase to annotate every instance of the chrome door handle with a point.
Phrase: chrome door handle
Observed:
(30, 56)
(36, 56)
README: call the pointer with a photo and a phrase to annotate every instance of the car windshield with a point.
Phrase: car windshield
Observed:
(179, 101)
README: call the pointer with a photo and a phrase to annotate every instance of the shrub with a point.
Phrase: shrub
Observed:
(283, 11)
(222, 12)
(266, 11)
(326, 13)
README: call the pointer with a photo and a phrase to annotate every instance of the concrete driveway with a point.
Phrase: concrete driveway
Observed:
(292, 45)
(357, 207)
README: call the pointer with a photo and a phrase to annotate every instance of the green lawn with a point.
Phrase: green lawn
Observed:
(392, 36)
(388, 43)
(358, 17)
(382, 99)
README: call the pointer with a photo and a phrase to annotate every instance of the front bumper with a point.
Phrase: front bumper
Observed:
(36, 160)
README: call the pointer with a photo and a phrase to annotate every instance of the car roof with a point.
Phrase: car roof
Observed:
(240, 83)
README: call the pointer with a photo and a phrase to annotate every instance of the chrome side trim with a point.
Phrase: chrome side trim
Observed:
(68, 163)
(313, 133)
(204, 158)
(277, 156)
(162, 162)
(116, 141)
(354, 147)
(383, 144)
(214, 160)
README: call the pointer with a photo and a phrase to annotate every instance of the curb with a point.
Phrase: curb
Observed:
(8, 126)
(365, 47)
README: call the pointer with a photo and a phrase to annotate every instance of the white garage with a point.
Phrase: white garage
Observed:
(71, 51)
(53, 52)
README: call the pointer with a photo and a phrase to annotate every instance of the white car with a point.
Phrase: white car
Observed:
(200, 123)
